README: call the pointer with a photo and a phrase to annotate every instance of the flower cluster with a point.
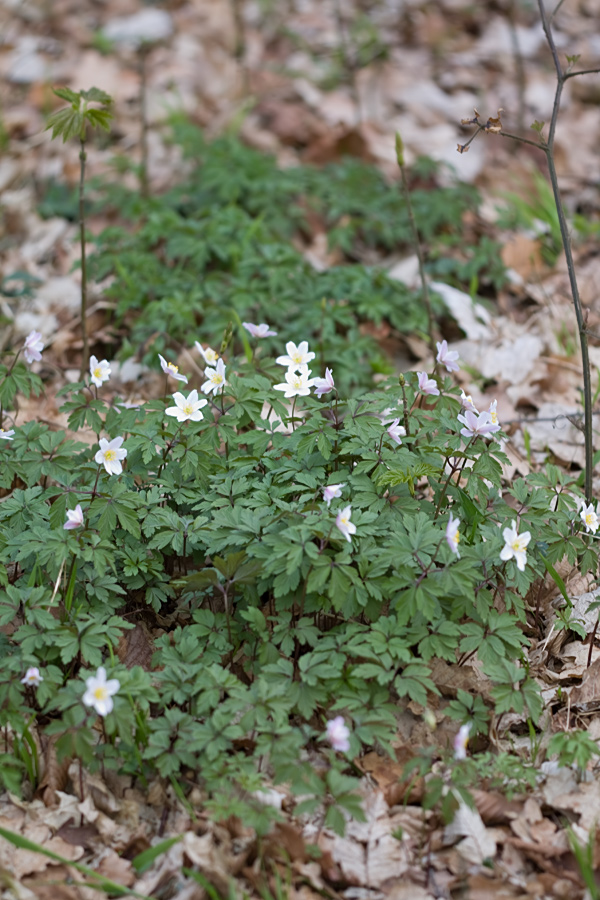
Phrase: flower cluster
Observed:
(298, 381)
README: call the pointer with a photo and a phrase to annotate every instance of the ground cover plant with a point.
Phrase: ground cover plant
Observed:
(232, 591)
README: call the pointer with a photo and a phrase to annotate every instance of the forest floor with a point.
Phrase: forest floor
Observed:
(309, 81)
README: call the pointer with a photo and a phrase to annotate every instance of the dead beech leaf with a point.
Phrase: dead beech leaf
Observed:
(478, 843)
(388, 774)
(587, 696)
(56, 775)
(116, 868)
(494, 808)
(135, 648)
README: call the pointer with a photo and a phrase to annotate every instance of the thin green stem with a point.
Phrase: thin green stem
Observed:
(581, 72)
(418, 248)
(84, 335)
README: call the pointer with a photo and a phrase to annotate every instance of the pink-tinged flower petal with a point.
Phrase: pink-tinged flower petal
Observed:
(74, 518)
(171, 369)
(259, 331)
(447, 357)
(427, 385)
(324, 385)
(338, 734)
(32, 677)
(33, 346)
(331, 491)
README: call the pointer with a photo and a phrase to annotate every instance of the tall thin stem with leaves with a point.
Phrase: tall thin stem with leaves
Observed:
(70, 122)
(494, 126)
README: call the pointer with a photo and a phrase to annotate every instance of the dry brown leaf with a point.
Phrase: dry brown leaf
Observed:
(494, 808)
(135, 647)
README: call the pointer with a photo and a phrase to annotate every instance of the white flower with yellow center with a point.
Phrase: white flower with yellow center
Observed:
(99, 692)
(515, 546)
(32, 677)
(110, 455)
(453, 534)
(297, 356)
(187, 408)
(296, 384)
(7, 435)
(209, 356)
(344, 524)
(171, 369)
(589, 518)
(99, 371)
(215, 379)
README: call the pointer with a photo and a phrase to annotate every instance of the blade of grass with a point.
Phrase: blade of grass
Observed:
(142, 862)
(99, 881)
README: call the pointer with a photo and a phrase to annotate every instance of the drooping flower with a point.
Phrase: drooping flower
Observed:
(427, 385)
(453, 534)
(493, 413)
(99, 692)
(324, 385)
(110, 455)
(589, 518)
(171, 369)
(477, 424)
(461, 740)
(215, 379)
(344, 524)
(338, 734)
(32, 677)
(515, 545)
(296, 384)
(187, 408)
(447, 357)
(7, 435)
(209, 356)
(396, 431)
(467, 402)
(297, 356)
(74, 518)
(259, 331)
(331, 491)
(99, 371)
(33, 346)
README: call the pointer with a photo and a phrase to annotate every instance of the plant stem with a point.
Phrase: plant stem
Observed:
(548, 148)
(417, 243)
(84, 351)
(143, 51)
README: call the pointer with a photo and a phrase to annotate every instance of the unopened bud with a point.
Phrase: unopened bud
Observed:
(399, 150)
(226, 338)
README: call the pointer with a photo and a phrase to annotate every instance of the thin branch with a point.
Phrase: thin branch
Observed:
(522, 140)
(581, 72)
(560, 77)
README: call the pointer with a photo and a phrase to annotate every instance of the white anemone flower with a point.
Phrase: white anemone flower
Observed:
(427, 385)
(447, 357)
(7, 435)
(33, 346)
(589, 518)
(461, 740)
(453, 534)
(344, 524)
(396, 431)
(187, 408)
(110, 455)
(324, 385)
(331, 491)
(171, 369)
(32, 677)
(259, 331)
(74, 518)
(338, 734)
(296, 384)
(209, 356)
(215, 379)
(99, 371)
(99, 692)
(515, 546)
(297, 356)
